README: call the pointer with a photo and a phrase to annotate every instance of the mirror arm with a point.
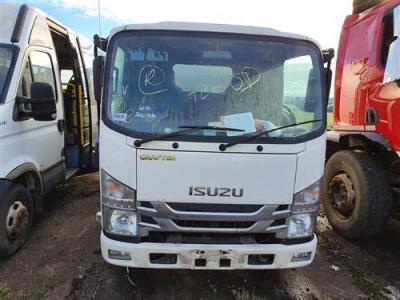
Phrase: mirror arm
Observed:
(24, 114)
(26, 100)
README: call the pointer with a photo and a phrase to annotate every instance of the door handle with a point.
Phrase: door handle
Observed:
(61, 125)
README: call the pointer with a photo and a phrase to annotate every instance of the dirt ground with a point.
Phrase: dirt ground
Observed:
(62, 260)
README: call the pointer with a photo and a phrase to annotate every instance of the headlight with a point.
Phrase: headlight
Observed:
(301, 222)
(118, 206)
(300, 225)
(120, 222)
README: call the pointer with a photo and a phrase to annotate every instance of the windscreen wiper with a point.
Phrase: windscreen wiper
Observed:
(185, 129)
(248, 138)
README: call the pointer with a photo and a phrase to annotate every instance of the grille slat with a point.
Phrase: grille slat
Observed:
(214, 208)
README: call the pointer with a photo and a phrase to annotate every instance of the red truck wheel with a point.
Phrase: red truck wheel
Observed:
(356, 194)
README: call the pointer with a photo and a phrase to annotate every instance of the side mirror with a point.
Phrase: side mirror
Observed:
(313, 88)
(98, 67)
(41, 106)
(313, 92)
(328, 56)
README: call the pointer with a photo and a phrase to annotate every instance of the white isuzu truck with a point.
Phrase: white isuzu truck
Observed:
(212, 146)
(46, 134)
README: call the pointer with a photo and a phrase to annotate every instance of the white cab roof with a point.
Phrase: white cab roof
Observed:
(8, 17)
(206, 27)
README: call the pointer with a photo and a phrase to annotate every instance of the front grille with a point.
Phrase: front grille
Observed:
(157, 216)
(212, 224)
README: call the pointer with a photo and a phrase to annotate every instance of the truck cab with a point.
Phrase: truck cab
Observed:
(46, 134)
(362, 177)
(213, 146)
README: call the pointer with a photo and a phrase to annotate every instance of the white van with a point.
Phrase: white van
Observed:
(46, 115)
(212, 146)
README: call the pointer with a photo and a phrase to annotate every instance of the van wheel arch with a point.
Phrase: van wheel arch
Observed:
(28, 176)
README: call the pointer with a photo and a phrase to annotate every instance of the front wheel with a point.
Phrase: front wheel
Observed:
(356, 194)
(16, 217)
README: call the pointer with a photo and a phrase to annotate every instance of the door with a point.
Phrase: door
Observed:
(83, 102)
(43, 141)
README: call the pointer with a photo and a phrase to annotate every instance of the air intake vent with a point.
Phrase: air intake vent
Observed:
(213, 224)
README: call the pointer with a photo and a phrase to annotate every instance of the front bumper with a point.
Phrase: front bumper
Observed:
(187, 254)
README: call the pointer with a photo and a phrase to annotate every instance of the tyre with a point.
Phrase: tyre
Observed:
(360, 6)
(356, 194)
(16, 217)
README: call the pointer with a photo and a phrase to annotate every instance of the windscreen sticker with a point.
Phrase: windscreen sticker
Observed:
(120, 117)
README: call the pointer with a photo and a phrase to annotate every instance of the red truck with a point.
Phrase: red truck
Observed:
(363, 150)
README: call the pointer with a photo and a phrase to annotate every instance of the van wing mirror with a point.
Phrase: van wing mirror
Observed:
(392, 70)
(42, 105)
(98, 69)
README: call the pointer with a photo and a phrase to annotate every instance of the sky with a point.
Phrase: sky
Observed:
(319, 19)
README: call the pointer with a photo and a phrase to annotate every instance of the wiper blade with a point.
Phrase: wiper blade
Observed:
(248, 138)
(212, 128)
(185, 129)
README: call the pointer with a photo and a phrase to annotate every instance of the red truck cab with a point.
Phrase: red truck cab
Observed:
(363, 149)
(361, 102)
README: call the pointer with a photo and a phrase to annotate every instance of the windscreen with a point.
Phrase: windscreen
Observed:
(157, 83)
(6, 56)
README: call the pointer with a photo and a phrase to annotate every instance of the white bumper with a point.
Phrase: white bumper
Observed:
(188, 253)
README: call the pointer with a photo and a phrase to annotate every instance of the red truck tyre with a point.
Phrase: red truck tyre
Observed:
(356, 194)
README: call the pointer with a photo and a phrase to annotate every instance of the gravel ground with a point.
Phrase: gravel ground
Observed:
(62, 260)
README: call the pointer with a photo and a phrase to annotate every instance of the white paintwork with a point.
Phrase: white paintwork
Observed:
(310, 163)
(11, 149)
(264, 178)
(116, 157)
(37, 143)
(272, 176)
(187, 253)
(8, 16)
(207, 27)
